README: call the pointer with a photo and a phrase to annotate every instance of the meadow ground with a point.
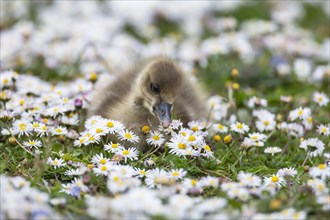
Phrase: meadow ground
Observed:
(264, 152)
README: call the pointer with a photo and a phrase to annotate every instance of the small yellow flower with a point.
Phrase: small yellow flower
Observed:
(145, 129)
(93, 77)
(217, 138)
(227, 139)
(234, 72)
(235, 86)
(275, 204)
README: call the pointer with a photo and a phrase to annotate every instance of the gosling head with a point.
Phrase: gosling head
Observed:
(159, 85)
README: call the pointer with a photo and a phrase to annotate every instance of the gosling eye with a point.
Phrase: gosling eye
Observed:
(154, 88)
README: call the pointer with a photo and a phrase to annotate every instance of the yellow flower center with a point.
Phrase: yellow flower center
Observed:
(183, 134)
(31, 142)
(110, 124)
(91, 138)
(71, 115)
(324, 129)
(156, 137)
(36, 125)
(207, 148)
(275, 179)
(320, 99)
(220, 126)
(191, 138)
(65, 100)
(266, 122)
(320, 187)
(115, 178)
(254, 137)
(104, 168)
(128, 136)
(103, 161)
(175, 173)
(93, 77)
(22, 126)
(99, 130)
(195, 128)
(44, 128)
(114, 145)
(58, 130)
(322, 166)
(142, 172)
(90, 166)
(182, 145)
(21, 101)
(5, 81)
(45, 120)
(55, 162)
(82, 140)
(300, 112)
(125, 152)
(93, 121)
(193, 182)
(235, 86)
(309, 120)
(239, 126)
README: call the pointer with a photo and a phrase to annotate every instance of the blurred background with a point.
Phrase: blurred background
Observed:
(275, 45)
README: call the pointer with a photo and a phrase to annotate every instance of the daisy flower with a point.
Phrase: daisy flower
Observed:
(59, 130)
(248, 179)
(155, 138)
(71, 119)
(22, 127)
(157, 177)
(100, 159)
(177, 174)
(256, 102)
(113, 147)
(208, 153)
(272, 150)
(287, 172)
(140, 172)
(126, 135)
(308, 123)
(130, 153)
(113, 126)
(266, 120)
(196, 125)
(102, 169)
(323, 129)
(176, 124)
(322, 171)
(32, 143)
(318, 186)
(220, 128)
(209, 181)
(56, 162)
(320, 98)
(240, 128)
(300, 113)
(257, 137)
(274, 181)
(93, 120)
(314, 146)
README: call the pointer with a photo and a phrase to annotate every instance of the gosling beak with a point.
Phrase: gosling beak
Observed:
(163, 112)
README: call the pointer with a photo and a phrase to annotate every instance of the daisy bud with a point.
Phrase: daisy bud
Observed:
(217, 138)
(93, 77)
(149, 163)
(145, 129)
(235, 86)
(78, 103)
(234, 72)
(275, 204)
(306, 168)
(12, 140)
(227, 139)
(90, 166)
(61, 138)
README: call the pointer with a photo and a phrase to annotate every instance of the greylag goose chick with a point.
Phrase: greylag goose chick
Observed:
(150, 93)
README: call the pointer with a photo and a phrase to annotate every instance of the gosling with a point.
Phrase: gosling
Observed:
(150, 93)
